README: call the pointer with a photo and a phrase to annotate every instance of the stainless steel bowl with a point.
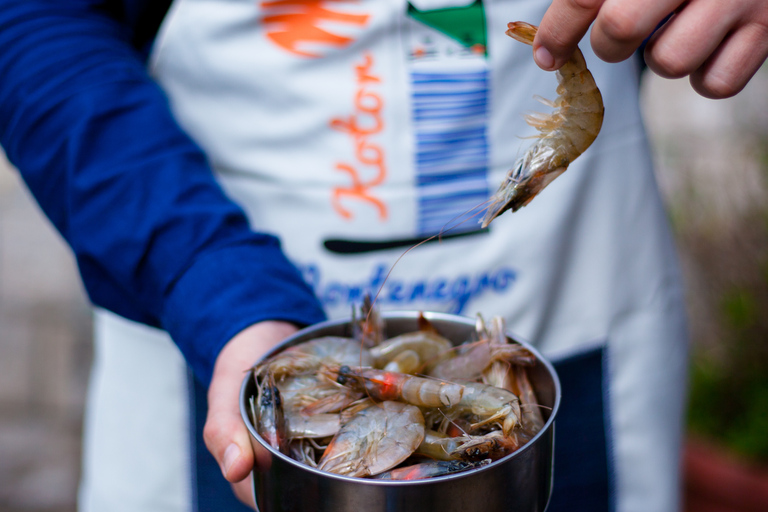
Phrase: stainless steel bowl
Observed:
(520, 482)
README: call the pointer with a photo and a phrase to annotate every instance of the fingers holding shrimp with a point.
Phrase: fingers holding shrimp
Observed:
(727, 71)
(620, 26)
(563, 26)
(720, 45)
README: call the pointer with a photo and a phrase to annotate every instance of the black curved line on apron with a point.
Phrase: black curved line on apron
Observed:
(341, 246)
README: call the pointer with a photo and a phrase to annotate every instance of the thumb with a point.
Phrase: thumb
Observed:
(563, 26)
(225, 433)
(228, 441)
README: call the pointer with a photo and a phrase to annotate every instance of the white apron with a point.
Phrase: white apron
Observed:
(347, 127)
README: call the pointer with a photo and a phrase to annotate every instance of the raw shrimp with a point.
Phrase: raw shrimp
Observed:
(354, 408)
(369, 329)
(307, 357)
(514, 378)
(308, 395)
(407, 361)
(440, 446)
(360, 421)
(316, 426)
(334, 402)
(303, 451)
(499, 372)
(269, 412)
(430, 347)
(563, 135)
(299, 391)
(532, 420)
(493, 446)
(430, 469)
(488, 403)
(375, 440)
(470, 364)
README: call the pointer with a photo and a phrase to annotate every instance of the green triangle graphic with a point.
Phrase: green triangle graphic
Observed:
(463, 24)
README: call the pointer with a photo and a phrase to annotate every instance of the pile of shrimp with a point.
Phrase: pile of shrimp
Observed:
(404, 408)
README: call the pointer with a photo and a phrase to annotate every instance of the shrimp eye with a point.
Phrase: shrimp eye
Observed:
(266, 397)
(276, 395)
(342, 379)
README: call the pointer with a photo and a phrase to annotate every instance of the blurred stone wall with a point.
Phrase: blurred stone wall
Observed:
(45, 352)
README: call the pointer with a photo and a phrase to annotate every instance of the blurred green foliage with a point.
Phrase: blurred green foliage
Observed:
(729, 392)
(731, 412)
(729, 368)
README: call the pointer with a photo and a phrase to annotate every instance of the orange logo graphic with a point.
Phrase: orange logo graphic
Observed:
(299, 23)
(365, 122)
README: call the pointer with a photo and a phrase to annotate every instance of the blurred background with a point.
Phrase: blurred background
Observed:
(712, 166)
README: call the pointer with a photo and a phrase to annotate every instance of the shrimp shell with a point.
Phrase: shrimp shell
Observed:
(318, 426)
(269, 413)
(493, 446)
(430, 347)
(307, 357)
(488, 403)
(563, 135)
(480, 356)
(532, 419)
(375, 440)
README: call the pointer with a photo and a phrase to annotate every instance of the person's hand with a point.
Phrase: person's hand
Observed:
(719, 44)
(224, 433)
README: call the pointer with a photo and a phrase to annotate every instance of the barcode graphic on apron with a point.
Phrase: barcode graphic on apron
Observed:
(450, 114)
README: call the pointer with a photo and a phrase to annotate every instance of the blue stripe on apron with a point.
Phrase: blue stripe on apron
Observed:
(450, 115)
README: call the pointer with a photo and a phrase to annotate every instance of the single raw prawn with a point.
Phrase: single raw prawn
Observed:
(491, 446)
(489, 404)
(374, 440)
(563, 135)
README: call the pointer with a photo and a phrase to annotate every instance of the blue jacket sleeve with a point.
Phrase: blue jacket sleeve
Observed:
(155, 238)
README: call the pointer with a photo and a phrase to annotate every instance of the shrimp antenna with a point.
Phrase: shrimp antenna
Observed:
(478, 209)
(540, 406)
(386, 278)
(452, 422)
(470, 214)
(475, 212)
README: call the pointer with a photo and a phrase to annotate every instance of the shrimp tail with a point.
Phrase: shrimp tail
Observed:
(522, 31)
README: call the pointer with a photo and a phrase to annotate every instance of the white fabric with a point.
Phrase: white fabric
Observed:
(136, 432)
(590, 259)
(426, 5)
